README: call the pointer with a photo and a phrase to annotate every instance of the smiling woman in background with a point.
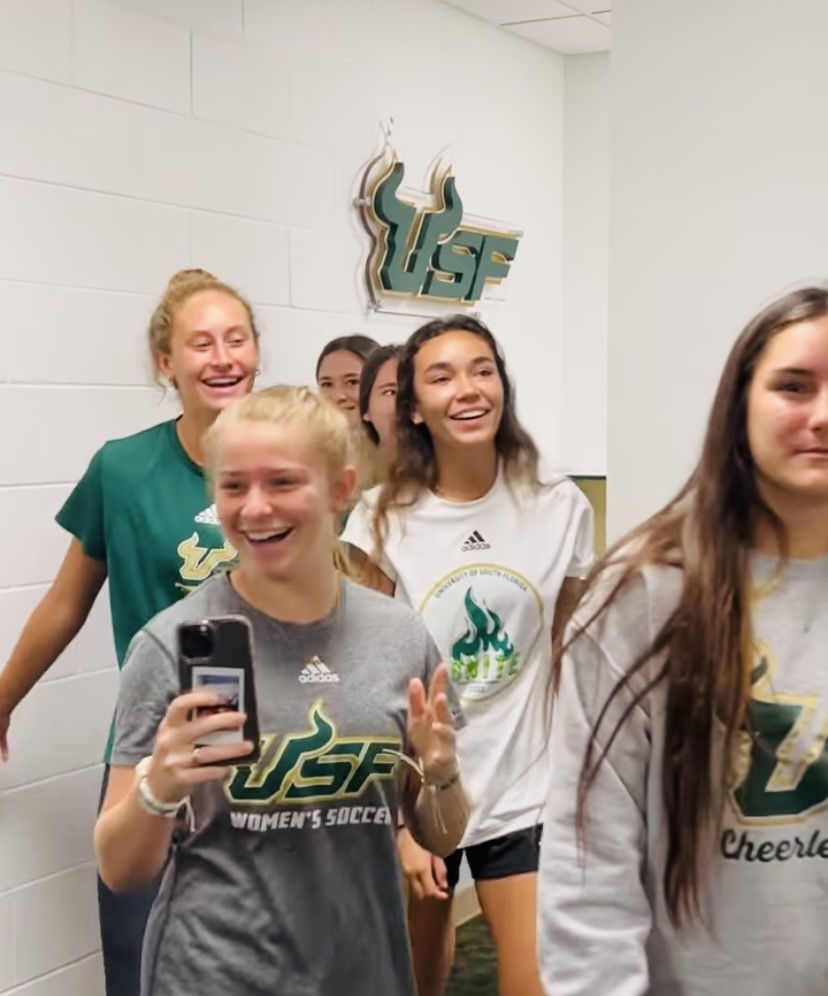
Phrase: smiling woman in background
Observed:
(489, 549)
(141, 518)
(338, 371)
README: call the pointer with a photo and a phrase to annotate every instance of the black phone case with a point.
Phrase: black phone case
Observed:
(232, 648)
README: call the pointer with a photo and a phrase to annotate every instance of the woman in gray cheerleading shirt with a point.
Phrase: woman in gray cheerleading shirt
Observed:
(288, 881)
(686, 833)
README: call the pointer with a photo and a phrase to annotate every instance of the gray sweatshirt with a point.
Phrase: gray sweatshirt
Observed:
(603, 924)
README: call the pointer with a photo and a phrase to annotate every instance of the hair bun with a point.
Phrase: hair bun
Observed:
(193, 276)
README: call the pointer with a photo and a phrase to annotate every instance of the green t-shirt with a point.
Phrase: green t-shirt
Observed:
(142, 507)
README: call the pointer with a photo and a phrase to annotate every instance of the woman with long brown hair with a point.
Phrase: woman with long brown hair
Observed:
(687, 823)
(489, 548)
(338, 373)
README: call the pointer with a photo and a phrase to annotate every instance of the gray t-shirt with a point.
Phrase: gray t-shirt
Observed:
(290, 884)
(604, 929)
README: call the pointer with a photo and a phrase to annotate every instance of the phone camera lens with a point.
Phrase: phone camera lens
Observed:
(197, 642)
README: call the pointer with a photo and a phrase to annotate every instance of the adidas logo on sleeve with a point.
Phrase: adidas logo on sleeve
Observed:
(316, 671)
(475, 542)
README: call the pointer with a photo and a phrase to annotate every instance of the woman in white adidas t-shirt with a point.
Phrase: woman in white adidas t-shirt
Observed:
(491, 552)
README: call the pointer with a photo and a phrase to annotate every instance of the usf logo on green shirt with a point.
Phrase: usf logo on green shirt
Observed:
(199, 561)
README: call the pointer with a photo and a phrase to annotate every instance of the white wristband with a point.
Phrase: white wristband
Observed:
(149, 803)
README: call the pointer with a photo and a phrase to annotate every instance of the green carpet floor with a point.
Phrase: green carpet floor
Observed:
(475, 965)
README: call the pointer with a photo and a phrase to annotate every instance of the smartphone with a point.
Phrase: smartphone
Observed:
(216, 655)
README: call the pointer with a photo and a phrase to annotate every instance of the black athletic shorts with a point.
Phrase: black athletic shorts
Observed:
(512, 854)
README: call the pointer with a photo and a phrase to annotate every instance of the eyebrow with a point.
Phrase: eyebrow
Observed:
(794, 372)
(233, 328)
(443, 365)
(231, 472)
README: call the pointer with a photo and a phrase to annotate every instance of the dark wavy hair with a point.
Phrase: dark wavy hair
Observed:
(704, 649)
(414, 469)
(382, 354)
(360, 345)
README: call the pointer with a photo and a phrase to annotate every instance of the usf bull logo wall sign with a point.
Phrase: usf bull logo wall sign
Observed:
(422, 245)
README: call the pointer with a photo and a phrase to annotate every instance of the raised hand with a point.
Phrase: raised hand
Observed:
(431, 727)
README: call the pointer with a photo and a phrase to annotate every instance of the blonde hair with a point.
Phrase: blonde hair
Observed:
(181, 287)
(300, 406)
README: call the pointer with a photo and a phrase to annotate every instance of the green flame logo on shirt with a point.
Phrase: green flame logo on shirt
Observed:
(484, 653)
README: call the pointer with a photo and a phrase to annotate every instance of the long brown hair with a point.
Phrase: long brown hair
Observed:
(703, 651)
(376, 359)
(414, 469)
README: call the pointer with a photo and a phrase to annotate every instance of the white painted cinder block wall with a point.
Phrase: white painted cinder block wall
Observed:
(141, 136)
(586, 176)
(719, 204)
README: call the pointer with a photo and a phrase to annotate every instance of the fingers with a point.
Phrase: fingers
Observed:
(442, 710)
(182, 706)
(214, 764)
(435, 888)
(222, 754)
(440, 873)
(176, 742)
(179, 767)
(439, 683)
(424, 886)
(419, 867)
(4, 748)
(416, 699)
(199, 729)
(178, 763)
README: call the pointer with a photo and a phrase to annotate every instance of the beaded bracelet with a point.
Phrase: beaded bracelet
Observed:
(149, 802)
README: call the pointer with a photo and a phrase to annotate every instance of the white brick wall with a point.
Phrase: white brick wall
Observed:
(140, 136)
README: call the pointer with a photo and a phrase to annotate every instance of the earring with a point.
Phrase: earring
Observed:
(257, 371)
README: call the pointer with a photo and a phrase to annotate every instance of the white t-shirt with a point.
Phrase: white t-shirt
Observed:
(485, 576)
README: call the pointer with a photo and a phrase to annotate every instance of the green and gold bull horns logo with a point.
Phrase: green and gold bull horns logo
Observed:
(425, 250)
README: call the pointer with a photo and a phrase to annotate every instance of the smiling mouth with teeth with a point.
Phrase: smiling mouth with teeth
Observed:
(268, 537)
(466, 416)
(223, 381)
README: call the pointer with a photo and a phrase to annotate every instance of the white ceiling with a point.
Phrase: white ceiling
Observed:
(572, 27)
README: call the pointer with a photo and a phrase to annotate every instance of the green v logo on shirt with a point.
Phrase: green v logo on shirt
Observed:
(784, 763)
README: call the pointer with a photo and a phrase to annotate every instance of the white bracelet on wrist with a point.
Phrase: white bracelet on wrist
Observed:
(149, 802)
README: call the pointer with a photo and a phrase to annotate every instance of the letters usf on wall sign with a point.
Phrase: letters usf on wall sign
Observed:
(423, 248)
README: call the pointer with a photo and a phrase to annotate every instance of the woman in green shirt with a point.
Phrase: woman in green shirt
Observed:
(140, 517)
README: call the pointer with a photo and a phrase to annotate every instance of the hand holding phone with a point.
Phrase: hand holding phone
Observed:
(178, 764)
